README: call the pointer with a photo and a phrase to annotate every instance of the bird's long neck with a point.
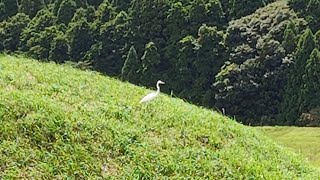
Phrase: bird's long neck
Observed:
(158, 88)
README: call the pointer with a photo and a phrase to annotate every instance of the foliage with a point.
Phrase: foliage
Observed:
(310, 10)
(56, 6)
(235, 9)
(88, 14)
(11, 30)
(130, 70)
(176, 22)
(206, 12)
(251, 83)
(184, 66)
(149, 64)
(59, 122)
(40, 46)
(42, 20)
(310, 88)
(112, 44)
(31, 7)
(289, 38)
(294, 89)
(80, 39)
(8, 8)
(105, 12)
(59, 49)
(66, 11)
(148, 23)
(121, 5)
(199, 61)
(317, 36)
(94, 3)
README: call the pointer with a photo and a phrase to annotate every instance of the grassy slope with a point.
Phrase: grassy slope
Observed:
(59, 122)
(303, 140)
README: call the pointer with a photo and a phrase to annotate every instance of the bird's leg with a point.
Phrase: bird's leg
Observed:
(146, 110)
(150, 111)
(146, 115)
(183, 133)
(153, 110)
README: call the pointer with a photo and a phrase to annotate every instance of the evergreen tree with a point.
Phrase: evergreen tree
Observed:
(48, 2)
(3, 14)
(293, 97)
(130, 69)
(56, 6)
(40, 45)
(148, 23)
(199, 60)
(105, 12)
(87, 13)
(305, 46)
(66, 11)
(210, 58)
(176, 27)
(311, 83)
(113, 38)
(79, 14)
(317, 36)
(184, 68)
(149, 62)
(298, 5)
(97, 55)
(94, 3)
(235, 9)
(31, 7)
(289, 42)
(240, 8)
(81, 3)
(42, 20)
(11, 31)
(313, 14)
(59, 49)
(121, 5)
(208, 12)
(8, 8)
(90, 14)
(309, 10)
(80, 39)
(176, 23)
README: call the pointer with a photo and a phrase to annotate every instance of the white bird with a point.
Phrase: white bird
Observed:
(152, 95)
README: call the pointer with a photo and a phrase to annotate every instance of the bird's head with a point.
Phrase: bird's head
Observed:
(160, 82)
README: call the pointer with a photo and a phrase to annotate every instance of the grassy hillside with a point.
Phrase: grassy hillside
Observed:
(303, 140)
(59, 122)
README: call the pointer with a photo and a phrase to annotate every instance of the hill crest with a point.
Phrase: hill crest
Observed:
(58, 122)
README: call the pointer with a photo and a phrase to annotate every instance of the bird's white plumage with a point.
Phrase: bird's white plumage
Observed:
(152, 95)
(148, 97)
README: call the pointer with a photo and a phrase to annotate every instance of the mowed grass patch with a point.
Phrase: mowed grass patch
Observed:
(58, 122)
(303, 140)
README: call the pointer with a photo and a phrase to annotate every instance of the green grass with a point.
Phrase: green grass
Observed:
(303, 140)
(58, 122)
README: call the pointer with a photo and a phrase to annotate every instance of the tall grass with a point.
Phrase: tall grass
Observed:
(58, 122)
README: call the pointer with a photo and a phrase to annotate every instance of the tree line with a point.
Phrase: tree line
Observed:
(256, 59)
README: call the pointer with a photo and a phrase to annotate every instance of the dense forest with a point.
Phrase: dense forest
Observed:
(257, 60)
